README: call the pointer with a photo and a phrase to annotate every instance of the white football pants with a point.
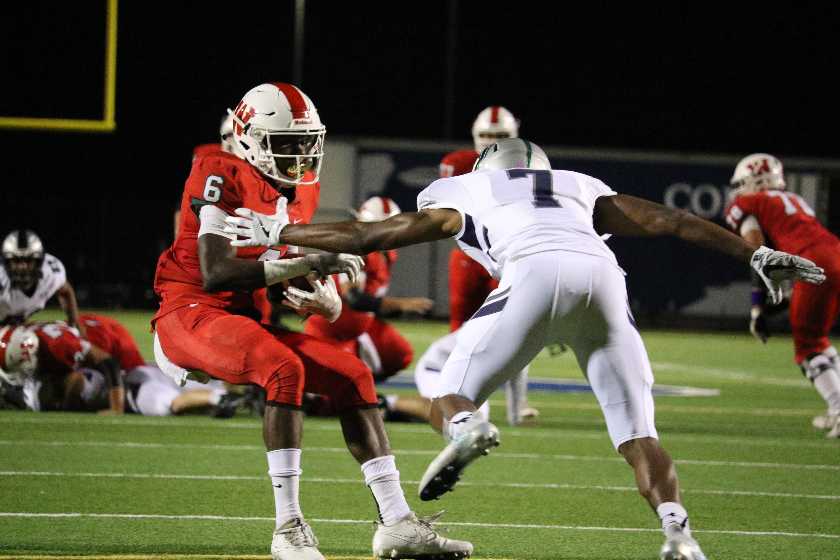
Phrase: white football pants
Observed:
(559, 297)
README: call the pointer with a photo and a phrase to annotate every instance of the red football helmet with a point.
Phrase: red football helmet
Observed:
(277, 130)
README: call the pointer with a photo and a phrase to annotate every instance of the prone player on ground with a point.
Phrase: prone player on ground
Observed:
(559, 283)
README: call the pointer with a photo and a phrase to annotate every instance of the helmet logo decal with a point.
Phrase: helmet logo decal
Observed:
(759, 167)
(243, 114)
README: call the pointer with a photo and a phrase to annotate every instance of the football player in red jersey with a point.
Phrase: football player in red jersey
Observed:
(360, 326)
(206, 320)
(469, 282)
(762, 211)
(47, 357)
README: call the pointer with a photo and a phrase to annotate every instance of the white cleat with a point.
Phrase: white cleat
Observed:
(834, 433)
(445, 470)
(679, 546)
(528, 414)
(414, 537)
(295, 541)
(824, 421)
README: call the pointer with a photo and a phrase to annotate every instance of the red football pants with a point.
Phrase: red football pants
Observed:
(813, 309)
(240, 351)
(395, 352)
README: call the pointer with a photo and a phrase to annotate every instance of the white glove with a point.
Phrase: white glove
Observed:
(776, 266)
(259, 230)
(323, 300)
(326, 264)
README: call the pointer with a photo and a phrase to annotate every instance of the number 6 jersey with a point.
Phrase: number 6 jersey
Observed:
(224, 182)
(511, 213)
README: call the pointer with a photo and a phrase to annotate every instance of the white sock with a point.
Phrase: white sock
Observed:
(383, 479)
(827, 385)
(672, 513)
(456, 424)
(284, 470)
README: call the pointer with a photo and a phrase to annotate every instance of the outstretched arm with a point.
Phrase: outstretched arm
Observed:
(628, 215)
(361, 238)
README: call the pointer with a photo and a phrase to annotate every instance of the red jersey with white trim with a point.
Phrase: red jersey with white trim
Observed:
(111, 336)
(207, 149)
(61, 349)
(457, 163)
(785, 219)
(226, 182)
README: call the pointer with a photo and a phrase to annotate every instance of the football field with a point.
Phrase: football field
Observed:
(758, 481)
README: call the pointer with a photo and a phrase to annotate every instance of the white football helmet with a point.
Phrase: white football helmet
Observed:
(758, 172)
(491, 124)
(277, 130)
(512, 153)
(18, 354)
(23, 256)
(376, 209)
(226, 134)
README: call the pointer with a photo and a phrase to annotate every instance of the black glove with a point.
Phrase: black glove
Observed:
(758, 324)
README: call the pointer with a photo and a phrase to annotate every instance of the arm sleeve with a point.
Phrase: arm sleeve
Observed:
(738, 211)
(212, 221)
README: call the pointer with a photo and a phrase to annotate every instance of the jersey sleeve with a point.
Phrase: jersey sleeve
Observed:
(593, 189)
(738, 211)
(377, 275)
(53, 274)
(444, 193)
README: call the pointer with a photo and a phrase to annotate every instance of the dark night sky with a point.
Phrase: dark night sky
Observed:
(673, 78)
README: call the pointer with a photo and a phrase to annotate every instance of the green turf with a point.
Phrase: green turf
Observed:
(758, 481)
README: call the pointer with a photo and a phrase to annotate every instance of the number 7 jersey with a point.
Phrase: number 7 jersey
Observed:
(784, 217)
(512, 213)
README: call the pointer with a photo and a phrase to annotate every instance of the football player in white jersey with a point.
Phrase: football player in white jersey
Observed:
(29, 278)
(538, 230)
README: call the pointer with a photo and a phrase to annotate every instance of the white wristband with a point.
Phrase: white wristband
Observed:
(283, 269)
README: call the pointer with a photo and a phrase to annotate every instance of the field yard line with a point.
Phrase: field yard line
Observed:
(732, 375)
(688, 409)
(536, 432)
(425, 452)
(540, 485)
(453, 523)
(396, 428)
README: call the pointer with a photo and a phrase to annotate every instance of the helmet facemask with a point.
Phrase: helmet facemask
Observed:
(277, 130)
(23, 272)
(23, 257)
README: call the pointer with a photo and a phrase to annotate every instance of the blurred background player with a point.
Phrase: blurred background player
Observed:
(29, 278)
(360, 329)
(148, 390)
(763, 212)
(208, 322)
(60, 370)
(469, 282)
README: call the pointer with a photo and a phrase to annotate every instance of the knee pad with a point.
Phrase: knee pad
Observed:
(815, 366)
